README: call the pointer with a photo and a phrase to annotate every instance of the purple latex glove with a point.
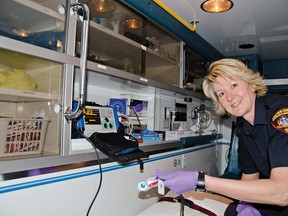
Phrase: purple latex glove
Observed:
(179, 181)
(246, 209)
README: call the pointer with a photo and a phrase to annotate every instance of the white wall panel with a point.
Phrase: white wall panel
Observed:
(71, 192)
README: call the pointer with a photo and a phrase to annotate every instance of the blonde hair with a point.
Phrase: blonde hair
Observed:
(231, 68)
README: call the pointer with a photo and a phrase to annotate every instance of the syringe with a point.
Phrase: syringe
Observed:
(149, 183)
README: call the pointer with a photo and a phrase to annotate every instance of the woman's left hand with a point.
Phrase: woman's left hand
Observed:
(244, 209)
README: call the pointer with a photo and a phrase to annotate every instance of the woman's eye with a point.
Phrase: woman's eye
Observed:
(233, 85)
(221, 94)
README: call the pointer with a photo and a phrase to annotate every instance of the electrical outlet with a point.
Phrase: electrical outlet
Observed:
(184, 159)
(167, 113)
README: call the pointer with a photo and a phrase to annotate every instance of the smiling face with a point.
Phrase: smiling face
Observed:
(236, 96)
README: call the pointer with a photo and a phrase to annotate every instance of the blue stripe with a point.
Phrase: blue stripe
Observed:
(36, 183)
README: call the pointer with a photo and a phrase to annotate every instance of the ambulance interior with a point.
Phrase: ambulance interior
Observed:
(95, 100)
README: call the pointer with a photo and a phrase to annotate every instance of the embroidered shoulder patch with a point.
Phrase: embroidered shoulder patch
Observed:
(280, 120)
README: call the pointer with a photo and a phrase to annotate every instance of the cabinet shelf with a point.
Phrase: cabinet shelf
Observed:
(116, 50)
(110, 47)
(15, 95)
(33, 23)
(39, 16)
(49, 9)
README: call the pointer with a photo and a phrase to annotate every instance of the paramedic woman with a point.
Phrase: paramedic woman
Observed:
(263, 147)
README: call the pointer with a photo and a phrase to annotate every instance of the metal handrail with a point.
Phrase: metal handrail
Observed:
(82, 10)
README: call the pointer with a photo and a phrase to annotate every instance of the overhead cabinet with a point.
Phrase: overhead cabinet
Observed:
(123, 39)
(40, 23)
(32, 35)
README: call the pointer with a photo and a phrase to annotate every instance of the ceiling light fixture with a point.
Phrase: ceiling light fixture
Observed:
(21, 32)
(101, 6)
(216, 6)
(132, 23)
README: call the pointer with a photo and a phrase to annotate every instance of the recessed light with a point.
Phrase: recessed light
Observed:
(246, 46)
(216, 6)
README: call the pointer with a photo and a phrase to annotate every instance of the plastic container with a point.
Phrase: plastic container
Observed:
(22, 136)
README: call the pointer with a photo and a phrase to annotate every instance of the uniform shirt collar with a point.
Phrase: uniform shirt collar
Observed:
(259, 115)
(260, 112)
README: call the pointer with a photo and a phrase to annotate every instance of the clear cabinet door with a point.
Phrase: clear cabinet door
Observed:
(29, 106)
(162, 61)
(122, 38)
(37, 22)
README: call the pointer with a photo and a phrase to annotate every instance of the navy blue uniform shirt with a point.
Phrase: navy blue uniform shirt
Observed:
(264, 145)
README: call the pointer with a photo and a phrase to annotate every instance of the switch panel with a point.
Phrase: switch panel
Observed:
(184, 161)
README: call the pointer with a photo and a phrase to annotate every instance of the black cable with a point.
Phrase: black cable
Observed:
(100, 168)
(181, 205)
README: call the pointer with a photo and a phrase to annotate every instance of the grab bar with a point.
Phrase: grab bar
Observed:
(83, 10)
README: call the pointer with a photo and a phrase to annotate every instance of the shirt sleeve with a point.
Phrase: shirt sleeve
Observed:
(278, 141)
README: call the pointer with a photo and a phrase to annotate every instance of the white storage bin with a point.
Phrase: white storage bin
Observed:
(22, 136)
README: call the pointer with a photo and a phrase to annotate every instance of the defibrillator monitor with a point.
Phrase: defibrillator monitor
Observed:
(99, 119)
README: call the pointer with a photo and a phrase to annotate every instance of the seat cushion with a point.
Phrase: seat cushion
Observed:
(212, 202)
